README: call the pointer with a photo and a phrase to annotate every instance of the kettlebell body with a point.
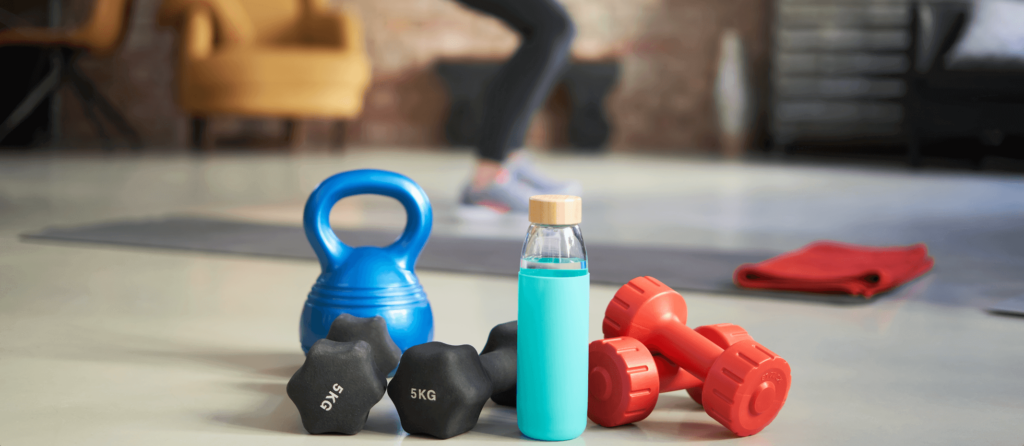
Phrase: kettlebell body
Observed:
(368, 281)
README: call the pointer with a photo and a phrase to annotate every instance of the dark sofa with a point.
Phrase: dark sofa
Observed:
(982, 103)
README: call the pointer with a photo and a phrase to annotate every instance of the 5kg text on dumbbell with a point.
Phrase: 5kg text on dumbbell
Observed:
(423, 394)
(333, 397)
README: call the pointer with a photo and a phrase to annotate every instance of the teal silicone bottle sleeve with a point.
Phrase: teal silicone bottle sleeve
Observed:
(551, 395)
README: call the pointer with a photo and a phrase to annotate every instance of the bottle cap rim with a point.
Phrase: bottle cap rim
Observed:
(556, 209)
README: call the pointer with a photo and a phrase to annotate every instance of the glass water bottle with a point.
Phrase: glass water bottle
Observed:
(554, 308)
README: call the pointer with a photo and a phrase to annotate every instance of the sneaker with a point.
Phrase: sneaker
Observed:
(505, 195)
(521, 167)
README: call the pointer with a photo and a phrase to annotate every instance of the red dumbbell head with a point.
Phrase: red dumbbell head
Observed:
(746, 387)
(623, 382)
(621, 318)
(723, 335)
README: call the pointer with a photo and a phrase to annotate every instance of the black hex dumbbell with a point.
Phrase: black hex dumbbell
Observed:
(440, 389)
(373, 330)
(344, 375)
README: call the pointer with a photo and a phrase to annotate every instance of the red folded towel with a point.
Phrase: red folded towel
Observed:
(832, 267)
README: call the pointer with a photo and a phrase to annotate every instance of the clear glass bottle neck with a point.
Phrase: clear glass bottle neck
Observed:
(553, 247)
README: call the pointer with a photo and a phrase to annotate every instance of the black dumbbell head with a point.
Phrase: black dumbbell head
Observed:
(504, 337)
(439, 389)
(336, 387)
(373, 330)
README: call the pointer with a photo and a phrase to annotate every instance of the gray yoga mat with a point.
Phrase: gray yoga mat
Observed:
(683, 269)
(1013, 306)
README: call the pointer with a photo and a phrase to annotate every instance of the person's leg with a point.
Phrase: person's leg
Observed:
(524, 82)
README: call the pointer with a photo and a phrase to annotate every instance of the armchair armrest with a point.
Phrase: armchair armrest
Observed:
(34, 37)
(229, 24)
(339, 29)
(197, 33)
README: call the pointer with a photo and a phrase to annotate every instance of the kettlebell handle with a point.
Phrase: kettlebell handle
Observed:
(332, 251)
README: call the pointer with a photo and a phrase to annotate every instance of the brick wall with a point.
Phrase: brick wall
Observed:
(667, 49)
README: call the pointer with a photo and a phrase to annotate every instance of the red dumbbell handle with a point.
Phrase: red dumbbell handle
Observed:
(686, 348)
(672, 378)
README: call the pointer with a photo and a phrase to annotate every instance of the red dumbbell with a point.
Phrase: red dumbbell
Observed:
(613, 403)
(745, 385)
(723, 335)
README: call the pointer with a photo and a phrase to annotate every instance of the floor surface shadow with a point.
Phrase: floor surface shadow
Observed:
(678, 401)
(384, 419)
(274, 364)
(499, 421)
(689, 431)
(276, 414)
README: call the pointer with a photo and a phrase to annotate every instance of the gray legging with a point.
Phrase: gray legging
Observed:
(523, 83)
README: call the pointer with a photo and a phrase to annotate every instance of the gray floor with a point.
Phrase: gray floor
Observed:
(103, 345)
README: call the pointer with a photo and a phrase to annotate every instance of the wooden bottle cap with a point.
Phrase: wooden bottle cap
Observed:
(556, 209)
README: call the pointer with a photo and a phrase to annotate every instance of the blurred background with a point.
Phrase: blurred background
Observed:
(156, 157)
(664, 52)
(868, 79)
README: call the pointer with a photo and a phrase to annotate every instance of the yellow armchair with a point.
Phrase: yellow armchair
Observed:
(271, 58)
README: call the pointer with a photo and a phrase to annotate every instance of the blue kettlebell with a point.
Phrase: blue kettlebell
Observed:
(368, 281)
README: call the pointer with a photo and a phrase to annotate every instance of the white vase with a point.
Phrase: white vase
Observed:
(733, 99)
